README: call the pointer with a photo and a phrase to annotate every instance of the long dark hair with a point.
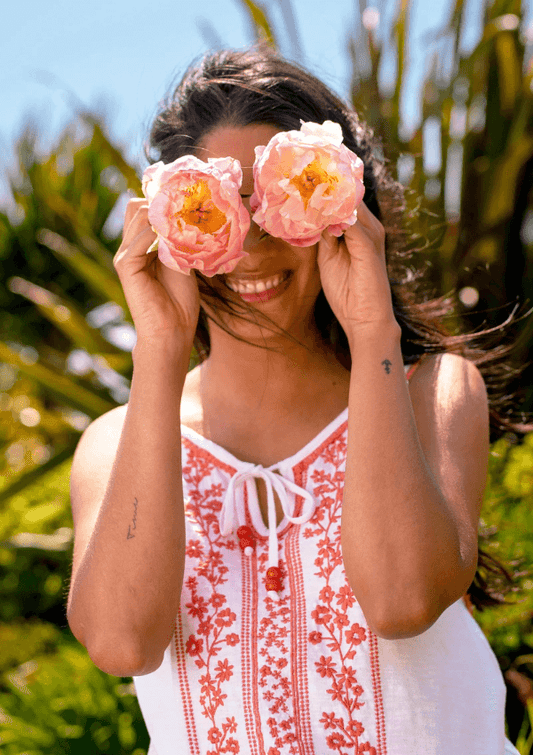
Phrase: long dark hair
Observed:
(243, 87)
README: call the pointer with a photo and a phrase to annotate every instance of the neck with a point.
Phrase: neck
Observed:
(239, 376)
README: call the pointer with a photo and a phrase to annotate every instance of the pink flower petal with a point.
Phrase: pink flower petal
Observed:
(306, 181)
(197, 213)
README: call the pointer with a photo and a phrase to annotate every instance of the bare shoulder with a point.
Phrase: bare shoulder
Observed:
(451, 410)
(95, 455)
(91, 470)
(97, 447)
(447, 379)
(191, 410)
(450, 403)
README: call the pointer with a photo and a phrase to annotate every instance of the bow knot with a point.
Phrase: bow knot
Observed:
(233, 512)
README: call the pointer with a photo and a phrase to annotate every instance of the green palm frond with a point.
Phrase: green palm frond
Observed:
(98, 278)
(36, 473)
(261, 23)
(64, 388)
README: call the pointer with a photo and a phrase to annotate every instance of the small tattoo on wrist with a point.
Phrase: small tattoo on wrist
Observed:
(133, 525)
(387, 364)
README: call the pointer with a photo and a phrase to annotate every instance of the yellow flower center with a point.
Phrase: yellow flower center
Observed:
(200, 210)
(312, 176)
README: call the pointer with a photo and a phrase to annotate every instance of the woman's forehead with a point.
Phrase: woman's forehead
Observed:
(238, 142)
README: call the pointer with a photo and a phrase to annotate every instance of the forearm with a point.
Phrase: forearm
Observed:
(399, 539)
(127, 589)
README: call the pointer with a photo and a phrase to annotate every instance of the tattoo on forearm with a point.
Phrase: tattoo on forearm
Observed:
(387, 364)
(133, 525)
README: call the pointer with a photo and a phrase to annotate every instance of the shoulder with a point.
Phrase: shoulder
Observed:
(96, 450)
(448, 379)
(450, 404)
(103, 430)
(451, 411)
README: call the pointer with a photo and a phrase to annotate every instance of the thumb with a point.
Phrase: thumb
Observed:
(327, 247)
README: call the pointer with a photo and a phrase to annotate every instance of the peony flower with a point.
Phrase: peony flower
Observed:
(306, 181)
(196, 211)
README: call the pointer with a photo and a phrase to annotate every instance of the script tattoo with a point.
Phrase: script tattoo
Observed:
(387, 364)
(133, 525)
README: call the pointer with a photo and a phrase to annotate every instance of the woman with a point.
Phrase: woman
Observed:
(298, 407)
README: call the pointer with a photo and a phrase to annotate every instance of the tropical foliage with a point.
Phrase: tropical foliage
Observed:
(66, 337)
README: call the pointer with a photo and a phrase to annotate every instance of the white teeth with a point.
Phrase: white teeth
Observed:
(255, 288)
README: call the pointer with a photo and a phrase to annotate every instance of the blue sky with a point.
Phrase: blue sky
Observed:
(121, 56)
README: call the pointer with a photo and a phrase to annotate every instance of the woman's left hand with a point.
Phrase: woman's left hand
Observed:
(354, 276)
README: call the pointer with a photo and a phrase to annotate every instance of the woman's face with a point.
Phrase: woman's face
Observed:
(290, 303)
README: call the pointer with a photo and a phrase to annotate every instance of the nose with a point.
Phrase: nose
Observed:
(255, 232)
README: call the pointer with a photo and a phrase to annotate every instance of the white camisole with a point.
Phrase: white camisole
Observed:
(303, 675)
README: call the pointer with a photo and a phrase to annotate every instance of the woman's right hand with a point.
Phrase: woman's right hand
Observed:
(164, 303)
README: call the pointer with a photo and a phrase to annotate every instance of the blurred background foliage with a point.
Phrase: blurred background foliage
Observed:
(66, 338)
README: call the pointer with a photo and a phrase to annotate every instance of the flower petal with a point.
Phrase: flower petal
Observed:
(306, 181)
(197, 212)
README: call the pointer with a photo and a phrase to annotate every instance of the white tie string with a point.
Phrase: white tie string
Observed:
(233, 512)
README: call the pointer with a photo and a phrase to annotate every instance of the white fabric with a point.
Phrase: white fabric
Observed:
(440, 693)
(232, 513)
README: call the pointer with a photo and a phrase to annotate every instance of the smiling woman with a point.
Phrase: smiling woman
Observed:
(278, 543)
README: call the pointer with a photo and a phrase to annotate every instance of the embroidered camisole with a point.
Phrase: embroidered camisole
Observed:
(289, 666)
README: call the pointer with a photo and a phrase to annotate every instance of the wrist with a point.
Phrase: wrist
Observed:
(379, 334)
(168, 346)
(163, 353)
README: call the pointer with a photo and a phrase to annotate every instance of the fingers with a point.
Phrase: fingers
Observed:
(328, 246)
(138, 233)
(131, 210)
(136, 221)
(369, 221)
(367, 230)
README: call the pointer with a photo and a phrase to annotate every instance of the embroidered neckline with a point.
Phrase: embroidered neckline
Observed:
(282, 466)
(285, 464)
(286, 469)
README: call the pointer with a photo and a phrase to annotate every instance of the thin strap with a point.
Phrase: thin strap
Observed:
(412, 369)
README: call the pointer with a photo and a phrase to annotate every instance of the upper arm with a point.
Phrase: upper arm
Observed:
(450, 405)
(91, 470)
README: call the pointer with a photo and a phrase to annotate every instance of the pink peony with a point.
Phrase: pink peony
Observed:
(197, 213)
(306, 181)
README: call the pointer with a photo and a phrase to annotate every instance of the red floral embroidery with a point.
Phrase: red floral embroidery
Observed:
(332, 625)
(315, 638)
(208, 611)
(194, 646)
(346, 732)
(274, 681)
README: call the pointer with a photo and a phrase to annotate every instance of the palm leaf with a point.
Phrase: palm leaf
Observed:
(261, 23)
(100, 280)
(61, 386)
(102, 145)
(501, 194)
(291, 28)
(35, 473)
(400, 32)
(63, 314)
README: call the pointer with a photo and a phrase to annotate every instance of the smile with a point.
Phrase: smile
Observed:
(256, 287)
(262, 291)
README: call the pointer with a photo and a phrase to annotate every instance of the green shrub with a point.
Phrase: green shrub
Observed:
(61, 703)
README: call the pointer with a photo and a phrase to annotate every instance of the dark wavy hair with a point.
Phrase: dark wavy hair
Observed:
(257, 86)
